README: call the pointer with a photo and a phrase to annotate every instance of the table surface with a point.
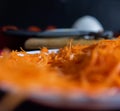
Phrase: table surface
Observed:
(32, 106)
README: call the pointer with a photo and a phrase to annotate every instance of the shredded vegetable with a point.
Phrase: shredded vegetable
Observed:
(89, 68)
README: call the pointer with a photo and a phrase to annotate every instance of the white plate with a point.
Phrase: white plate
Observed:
(75, 99)
(38, 51)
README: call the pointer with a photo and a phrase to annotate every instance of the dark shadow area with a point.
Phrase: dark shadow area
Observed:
(60, 13)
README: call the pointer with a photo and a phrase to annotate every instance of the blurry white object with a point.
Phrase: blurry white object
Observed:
(88, 23)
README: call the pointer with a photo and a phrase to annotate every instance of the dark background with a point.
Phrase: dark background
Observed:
(59, 13)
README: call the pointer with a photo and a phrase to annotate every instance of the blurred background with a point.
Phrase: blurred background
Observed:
(58, 13)
(47, 14)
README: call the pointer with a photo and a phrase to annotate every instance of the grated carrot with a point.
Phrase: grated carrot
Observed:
(88, 68)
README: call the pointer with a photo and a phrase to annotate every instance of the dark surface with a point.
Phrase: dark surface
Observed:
(32, 106)
(11, 42)
(59, 13)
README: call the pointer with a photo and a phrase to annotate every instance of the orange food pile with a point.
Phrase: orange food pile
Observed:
(87, 68)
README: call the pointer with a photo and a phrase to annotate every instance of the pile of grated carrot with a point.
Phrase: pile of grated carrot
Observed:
(89, 68)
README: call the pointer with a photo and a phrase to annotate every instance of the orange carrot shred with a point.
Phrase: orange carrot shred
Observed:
(90, 68)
